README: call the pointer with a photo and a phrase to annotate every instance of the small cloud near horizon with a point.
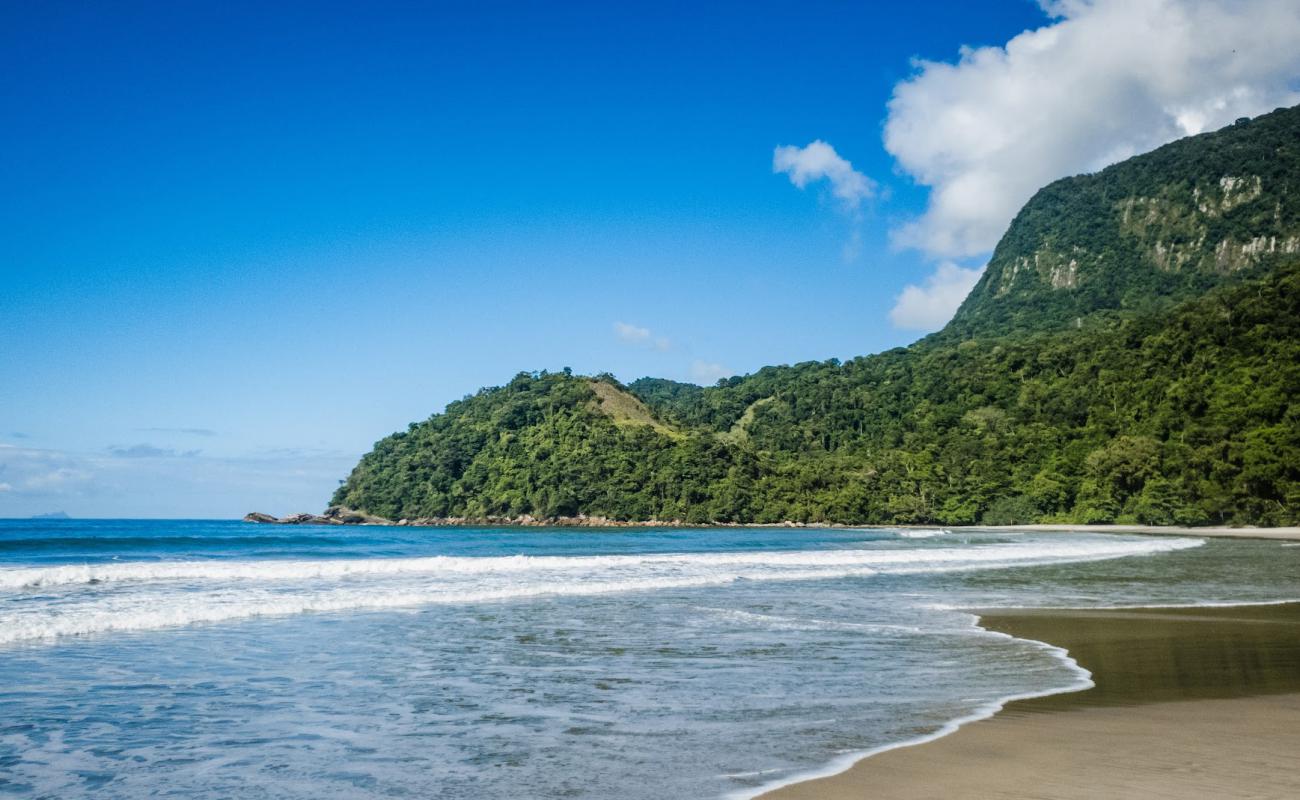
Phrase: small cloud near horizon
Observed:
(707, 373)
(641, 336)
(149, 451)
(187, 431)
(105, 485)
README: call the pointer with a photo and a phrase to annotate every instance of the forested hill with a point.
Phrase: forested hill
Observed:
(1131, 354)
(1142, 234)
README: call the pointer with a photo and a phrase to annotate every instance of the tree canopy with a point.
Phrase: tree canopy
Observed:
(1132, 354)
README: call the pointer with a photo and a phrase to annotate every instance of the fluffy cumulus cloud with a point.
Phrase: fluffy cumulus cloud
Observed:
(1105, 80)
(637, 335)
(819, 161)
(928, 307)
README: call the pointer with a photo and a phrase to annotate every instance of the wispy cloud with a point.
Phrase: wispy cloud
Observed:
(928, 307)
(107, 485)
(1107, 79)
(149, 451)
(55, 478)
(34, 470)
(819, 161)
(638, 335)
(633, 334)
(186, 431)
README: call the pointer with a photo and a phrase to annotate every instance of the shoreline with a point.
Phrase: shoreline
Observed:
(851, 761)
(1161, 681)
(337, 515)
(1291, 533)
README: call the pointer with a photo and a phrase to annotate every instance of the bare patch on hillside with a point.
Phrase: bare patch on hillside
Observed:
(626, 410)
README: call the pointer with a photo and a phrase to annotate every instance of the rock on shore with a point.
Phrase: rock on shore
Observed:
(334, 515)
(341, 515)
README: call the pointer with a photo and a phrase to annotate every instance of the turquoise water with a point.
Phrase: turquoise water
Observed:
(217, 659)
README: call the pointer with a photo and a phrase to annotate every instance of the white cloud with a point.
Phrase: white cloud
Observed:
(631, 333)
(930, 306)
(635, 334)
(28, 469)
(103, 485)
(819, 160)
(707, 373)
(149, 451)
(186, 431)
(56, 479)
(1106, 80)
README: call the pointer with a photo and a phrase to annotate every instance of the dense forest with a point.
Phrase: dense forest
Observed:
(1132, 354)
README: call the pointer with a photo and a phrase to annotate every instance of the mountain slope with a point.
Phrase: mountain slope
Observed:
(1131, 354)
(1155, 229)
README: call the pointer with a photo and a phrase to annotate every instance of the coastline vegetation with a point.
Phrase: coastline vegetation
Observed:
(1132, 355)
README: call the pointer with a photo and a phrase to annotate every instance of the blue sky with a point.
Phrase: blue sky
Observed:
(241, 242)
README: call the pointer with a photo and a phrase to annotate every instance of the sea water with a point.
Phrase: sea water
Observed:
(218, 659)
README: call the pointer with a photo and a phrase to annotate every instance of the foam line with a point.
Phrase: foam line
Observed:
(50, 602)
(1083, 681)
(276, 570)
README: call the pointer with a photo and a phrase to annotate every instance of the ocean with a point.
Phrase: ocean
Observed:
(214, 659)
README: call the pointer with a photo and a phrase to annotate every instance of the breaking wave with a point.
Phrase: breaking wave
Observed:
(41, 603)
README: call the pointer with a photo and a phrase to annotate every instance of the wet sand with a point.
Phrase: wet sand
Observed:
(1276, 534)
(1188, 703)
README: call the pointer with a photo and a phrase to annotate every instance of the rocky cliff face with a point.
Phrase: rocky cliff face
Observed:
(1154, 230)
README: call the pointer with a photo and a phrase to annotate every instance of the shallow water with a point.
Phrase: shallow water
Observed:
(221, 658)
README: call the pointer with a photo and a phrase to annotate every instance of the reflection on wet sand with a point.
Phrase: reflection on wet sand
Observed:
(1156, 655)
(1188, 703)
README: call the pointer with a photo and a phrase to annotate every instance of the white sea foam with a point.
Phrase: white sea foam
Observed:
(780, 622)
(992, 555)
(51, 602)
(1101, 606)
(913, 534)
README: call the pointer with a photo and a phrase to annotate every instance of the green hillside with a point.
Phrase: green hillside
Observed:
(1131, 354)
(1145, 233)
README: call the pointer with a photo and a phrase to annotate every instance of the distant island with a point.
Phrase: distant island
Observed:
(1130, 355)
(52, 515)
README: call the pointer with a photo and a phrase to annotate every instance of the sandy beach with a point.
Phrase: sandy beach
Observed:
(1188, 703)
(1280, 533)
